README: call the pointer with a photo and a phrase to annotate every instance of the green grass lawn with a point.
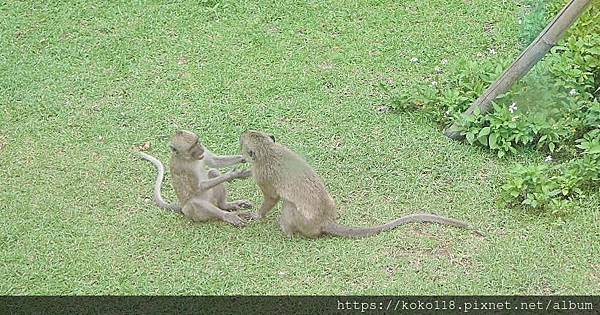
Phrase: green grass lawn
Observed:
(82, 85)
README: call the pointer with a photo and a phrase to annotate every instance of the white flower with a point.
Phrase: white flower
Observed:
(444, 61)
(434, 83)
(573, 92)
(548, 159)
(492, 51)
(414, 59)
(512, 108)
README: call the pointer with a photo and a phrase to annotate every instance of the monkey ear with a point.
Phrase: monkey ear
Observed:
(272, 137)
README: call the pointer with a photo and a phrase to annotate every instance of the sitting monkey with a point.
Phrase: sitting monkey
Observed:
(308, 208)
(201, 192)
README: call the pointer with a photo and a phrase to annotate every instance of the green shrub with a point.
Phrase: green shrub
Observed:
(554, 110)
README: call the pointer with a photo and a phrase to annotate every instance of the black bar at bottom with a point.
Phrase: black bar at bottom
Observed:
(299, 304)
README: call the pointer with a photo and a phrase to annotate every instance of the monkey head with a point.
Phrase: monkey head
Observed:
(186, 144)
(254, 143)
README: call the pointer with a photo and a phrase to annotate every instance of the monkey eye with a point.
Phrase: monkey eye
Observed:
(172, 148)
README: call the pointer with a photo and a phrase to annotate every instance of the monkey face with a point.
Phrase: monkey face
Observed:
(245, 148)
(187, 145)
(197, 151)
(252, 142)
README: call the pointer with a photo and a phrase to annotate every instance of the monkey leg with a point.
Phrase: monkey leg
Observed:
(286, 221)
(198, 209)
(292, 221)
(220, 195)
(191, 211)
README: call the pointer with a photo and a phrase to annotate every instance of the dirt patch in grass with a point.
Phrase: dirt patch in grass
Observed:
(416, 256)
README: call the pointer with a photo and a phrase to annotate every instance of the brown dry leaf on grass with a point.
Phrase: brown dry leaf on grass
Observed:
(145, 146)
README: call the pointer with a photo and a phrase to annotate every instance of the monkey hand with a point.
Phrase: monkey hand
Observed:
(240, 173)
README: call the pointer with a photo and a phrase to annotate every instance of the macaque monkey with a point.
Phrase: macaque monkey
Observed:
(200, 191)
(308, 208)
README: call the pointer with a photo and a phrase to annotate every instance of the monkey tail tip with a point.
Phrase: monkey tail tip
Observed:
(432, 218)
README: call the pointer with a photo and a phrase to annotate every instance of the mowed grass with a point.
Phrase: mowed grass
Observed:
(82, 85)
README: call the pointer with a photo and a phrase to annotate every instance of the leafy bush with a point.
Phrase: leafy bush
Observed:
(554, 109)
(548, 187)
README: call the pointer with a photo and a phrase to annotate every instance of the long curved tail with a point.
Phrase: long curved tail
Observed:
(160, 202)
(341, 230)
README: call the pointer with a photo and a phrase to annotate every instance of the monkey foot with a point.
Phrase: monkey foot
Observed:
(238, 204)
(249, 215)
(234, 219)
(245, 204)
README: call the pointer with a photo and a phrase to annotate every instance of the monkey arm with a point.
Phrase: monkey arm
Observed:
(211, 183)
(267, 205)
(219, 161)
